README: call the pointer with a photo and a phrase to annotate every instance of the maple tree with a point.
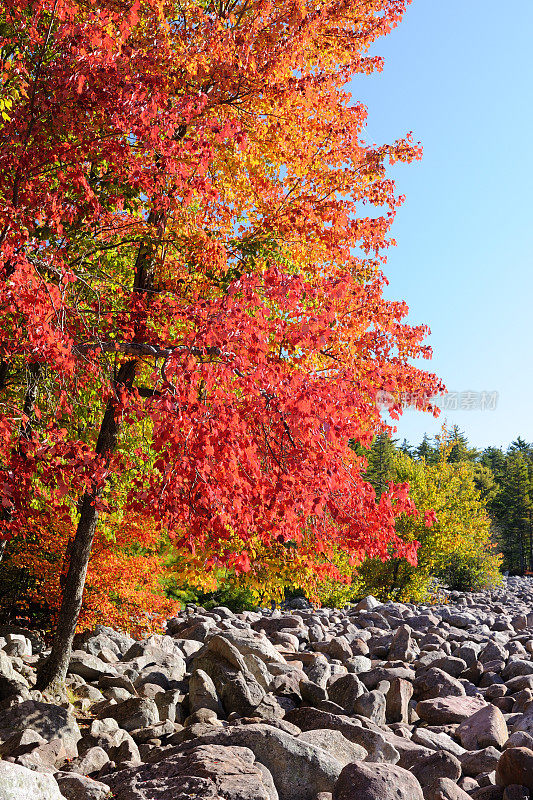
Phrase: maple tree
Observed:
(193, 324)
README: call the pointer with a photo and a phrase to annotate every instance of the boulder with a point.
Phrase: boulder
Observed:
(397, 700)
(88, 666)
(202, 693)
(137, 712)
(337, 745)
(48, 720)
(376, 744)
(445, 789)
(435, 682)
(361, 781)
(204, 772)
(475, 762)
(345, 691)
(20, 783)
(438, 765)
(80, 787)
(443, 710)
(484, 728)
(515, 767)
(298, 768)
(11, 682)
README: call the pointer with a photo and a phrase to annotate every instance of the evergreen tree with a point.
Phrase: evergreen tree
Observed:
(513, 510)
(494, 459)
(406, 448)
(427, 451)
(459, 451)
(380, 457)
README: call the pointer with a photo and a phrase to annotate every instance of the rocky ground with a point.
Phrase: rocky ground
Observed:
(375, 702)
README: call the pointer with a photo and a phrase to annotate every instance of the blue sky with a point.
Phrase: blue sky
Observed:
(459, 74)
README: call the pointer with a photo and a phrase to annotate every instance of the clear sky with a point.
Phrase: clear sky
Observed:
(459, 74)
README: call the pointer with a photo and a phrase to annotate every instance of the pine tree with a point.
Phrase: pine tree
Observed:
(513, 508)
(380, 470)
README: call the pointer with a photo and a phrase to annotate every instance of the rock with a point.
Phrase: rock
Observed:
(169, 705)
(298, 768)
(525, 724)
(367, 604)
(257, 645)
(371, 705)
(451, 665)
(92, 761)
(11, 682)
(397, 700)
(403, 646)
(205, 772)
(515, 792)
(337, 745)
(376, 744)
(21, 742)
(438, 765)
(20, 783)
(437, 741)
(235, 685)
(202, 693)
(80, 787)
(443, 710)
(477, 761)
(311, 692)
(374, 676)
(49, 721)
(88, 666)
(361, 781)
(435, 682)
(137, 712)
(445, 789)
(519, 739)
(484, 728)
(515, 767)
(345, 691)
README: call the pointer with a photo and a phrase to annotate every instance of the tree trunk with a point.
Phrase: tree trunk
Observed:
(54, 669)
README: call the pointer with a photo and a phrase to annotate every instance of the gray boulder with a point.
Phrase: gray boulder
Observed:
(137, 712)
(299, 769)
(80, 787)
(19, 783)
(204, 772)
(361, 781)
(49, 721)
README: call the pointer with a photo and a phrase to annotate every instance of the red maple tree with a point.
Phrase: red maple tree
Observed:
(193, 326)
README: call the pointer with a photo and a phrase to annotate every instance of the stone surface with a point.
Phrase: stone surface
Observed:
(515, 767)
(137, 712)
(209, 772)
(19, 783)
(296, 766)
(80, 787)
(484, 728)
(288, 700)
(442, 710)
(361, 781)
(337, 745)
(48, 720)
(438, 765)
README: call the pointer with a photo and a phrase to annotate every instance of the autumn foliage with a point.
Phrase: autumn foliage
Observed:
(192, 231)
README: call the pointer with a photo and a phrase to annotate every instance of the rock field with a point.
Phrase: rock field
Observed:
(375, 702)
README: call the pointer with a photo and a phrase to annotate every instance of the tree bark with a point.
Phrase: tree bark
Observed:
(54, 670)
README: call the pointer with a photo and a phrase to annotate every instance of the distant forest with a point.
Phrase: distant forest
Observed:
(504, 479)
